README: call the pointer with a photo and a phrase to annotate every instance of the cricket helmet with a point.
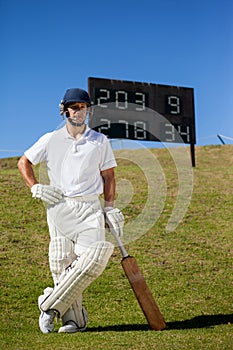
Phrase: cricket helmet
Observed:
(74, 95)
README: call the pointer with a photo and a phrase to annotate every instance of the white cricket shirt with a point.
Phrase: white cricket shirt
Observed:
(74, 165)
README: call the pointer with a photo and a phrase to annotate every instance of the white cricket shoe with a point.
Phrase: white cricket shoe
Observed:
(72, 327)
(46, 319)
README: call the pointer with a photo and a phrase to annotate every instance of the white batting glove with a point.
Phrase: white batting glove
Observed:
(46, 193)
(115, 220)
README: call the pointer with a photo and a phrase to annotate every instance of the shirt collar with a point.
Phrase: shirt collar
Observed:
(68, 136)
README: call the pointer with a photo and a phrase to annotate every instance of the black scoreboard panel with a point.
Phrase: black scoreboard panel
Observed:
(142, 111)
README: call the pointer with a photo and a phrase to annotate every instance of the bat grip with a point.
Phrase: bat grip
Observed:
(123, 251)
(120, 244)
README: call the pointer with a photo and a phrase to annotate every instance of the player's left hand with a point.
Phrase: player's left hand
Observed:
(114, 220)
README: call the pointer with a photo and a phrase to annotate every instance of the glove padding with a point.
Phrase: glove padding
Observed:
(46, 193)
(115, 220)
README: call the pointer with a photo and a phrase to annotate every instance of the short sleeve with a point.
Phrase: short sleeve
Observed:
(37, 152)
(107, 157)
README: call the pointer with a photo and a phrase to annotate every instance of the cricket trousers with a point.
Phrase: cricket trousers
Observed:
(74, 224)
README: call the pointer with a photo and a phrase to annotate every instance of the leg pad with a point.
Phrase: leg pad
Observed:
(82, 273)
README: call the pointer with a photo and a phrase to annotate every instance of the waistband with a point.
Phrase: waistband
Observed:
(90, 198)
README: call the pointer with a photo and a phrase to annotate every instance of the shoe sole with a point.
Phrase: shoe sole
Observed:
(70, 330)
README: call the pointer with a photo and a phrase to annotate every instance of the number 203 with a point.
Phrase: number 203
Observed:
(121, 99)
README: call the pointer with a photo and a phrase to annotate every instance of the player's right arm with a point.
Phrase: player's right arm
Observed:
(26, 171)
(47, 193)
(35, 155)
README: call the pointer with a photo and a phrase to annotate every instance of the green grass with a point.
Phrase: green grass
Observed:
(188, 270)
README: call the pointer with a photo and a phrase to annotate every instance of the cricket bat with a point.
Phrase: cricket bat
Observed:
(141, 289)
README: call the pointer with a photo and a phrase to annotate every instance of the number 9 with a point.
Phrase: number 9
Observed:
(174, 104)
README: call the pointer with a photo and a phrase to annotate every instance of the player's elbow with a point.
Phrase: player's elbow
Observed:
(22, 163)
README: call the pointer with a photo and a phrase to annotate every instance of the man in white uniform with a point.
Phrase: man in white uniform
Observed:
(80, 165)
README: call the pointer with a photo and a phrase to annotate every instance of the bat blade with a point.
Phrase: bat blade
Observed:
(143, 294)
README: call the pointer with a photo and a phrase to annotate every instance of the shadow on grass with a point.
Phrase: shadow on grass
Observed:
(203, 321)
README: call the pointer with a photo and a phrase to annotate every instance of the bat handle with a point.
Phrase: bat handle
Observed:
(120, 244)
(123, 251)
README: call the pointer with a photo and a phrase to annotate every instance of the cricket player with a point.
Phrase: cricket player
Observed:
(80, 165)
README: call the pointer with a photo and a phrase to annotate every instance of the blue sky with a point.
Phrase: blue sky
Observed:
(49, 46)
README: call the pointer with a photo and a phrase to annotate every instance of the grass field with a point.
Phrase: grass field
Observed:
(188, 270)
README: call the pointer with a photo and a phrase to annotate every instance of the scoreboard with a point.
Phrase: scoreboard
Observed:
(143, 111)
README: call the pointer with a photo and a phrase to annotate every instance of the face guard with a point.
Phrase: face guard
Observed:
(76, 115)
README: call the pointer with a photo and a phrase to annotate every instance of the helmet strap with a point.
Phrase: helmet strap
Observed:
(75, 123)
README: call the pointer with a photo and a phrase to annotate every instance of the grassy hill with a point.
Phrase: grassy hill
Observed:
(188, 270)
